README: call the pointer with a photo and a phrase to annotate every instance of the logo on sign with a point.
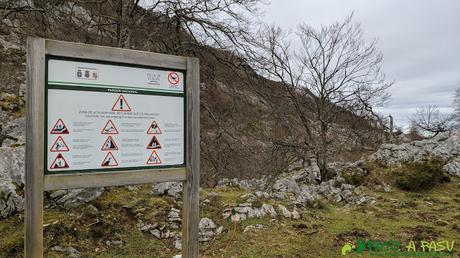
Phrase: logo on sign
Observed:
(86, 73)
(153, 78)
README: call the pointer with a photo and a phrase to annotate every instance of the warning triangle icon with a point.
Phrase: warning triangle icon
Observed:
(154, 144)
(109, 144)
(109, 161)
(154, 128)
(59, 128)
(121, 104)
(59, 145)
(59, 162)
(109, 128)
(154, 159)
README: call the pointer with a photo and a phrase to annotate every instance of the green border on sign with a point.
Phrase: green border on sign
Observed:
(109, 86)
(104, 88)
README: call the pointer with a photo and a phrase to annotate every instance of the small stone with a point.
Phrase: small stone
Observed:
(174, 215)
(268, 209)
(287, 214)
(253, 227)
(178, 245)
(360, 200)
(146, 228)
(206, 229)
(238, 217)
(261, 194)
(114, 243)
(133, 188)
(92, 209)
(156, 233)
(206, 223)
(279, 196)
(249, 197)
(70, 251)
(219, 230)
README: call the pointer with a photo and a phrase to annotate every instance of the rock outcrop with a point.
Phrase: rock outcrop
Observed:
(75, 197)
(173, 189)
(14, 133)
(444, 147)
(11, 180)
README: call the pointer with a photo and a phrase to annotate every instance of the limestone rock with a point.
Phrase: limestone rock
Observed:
(14, 131)
(453, 167)
(444, 146)
(207, 229)
(249, 197)
(168, 188)
(11, 180)
(174, 215)
(178, 245)
(156, 233)
(75, 197)
(70, 251)
(253, 227)
(247, 184)
(243, 211)
(286, 185)
(261, 194)
(288, 214)
(114, 243)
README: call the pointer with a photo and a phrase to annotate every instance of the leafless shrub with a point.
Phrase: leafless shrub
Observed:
(430, 120)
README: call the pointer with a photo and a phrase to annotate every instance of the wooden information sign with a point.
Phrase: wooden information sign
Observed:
(100, 116)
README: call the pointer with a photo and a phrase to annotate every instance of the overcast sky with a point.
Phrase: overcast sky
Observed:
(420, 41)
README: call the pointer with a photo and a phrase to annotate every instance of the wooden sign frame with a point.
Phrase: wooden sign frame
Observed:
(36, 180)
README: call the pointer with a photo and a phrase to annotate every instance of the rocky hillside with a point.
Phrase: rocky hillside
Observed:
(299, 213)
(245, 119)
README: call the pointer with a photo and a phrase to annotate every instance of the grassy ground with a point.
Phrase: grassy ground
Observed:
(397, 215)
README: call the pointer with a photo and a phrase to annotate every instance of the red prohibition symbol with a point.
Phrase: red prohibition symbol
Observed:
(173, 78)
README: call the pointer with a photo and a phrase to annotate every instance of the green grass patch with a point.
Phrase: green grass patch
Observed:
(397, 215)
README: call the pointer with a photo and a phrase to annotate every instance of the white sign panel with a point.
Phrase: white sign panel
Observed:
(105, 117)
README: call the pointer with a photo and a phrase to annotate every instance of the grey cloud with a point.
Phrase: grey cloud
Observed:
(420, 41)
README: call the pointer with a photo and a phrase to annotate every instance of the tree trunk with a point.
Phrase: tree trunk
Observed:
(125, 37)
(322, 155)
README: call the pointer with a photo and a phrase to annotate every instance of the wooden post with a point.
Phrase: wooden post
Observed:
(33, 244)
(191, 198)
(391, 127)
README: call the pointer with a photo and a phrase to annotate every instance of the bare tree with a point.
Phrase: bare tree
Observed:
(335, 72)
(222, 23)
(430, 120)
(414, 133)
(11, 7)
